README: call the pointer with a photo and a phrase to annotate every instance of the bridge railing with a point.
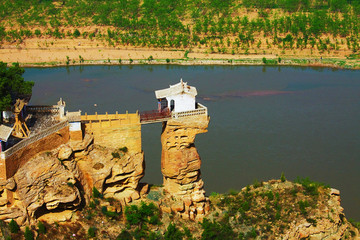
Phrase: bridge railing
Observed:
(154, 115)
(201, 110)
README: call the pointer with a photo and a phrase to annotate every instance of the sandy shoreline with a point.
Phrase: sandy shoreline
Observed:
(50, 53)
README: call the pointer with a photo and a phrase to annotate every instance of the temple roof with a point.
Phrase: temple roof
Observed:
(5, 132)
(176, 89)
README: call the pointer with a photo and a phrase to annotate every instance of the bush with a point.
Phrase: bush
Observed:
(147, 213)
(186, 54)
(76, 33)
(282, 178)
(92, 204)
(124, 235)
(28, 234)
(173, 233)
(167, 60)
(92, 232)
(233, 192)
(257, 184)
(214, 194)
(14, 227)
(155, 236)
(354, 223)
(96, 193)
(312, 221)
(311, 187)
(123, 149)
(115, 155)
(214, 230)
(37, 32)
(41, 227)
(264, 60)
(251, 234)
(303, 205)
(107, 213)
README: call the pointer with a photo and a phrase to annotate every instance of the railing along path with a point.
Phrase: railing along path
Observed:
(42, 109)
(155, 116)
(26, 142)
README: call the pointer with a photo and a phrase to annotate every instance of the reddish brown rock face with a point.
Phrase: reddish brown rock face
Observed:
(180, 165)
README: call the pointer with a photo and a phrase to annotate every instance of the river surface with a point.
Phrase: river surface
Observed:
(264, 120)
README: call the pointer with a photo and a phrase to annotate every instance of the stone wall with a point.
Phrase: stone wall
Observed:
(115, 130)
(11, 164)
(76, 135)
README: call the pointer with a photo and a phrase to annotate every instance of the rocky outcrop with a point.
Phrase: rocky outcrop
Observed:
(41, 186)
(53, 184)
(330, 222)
(180, 165)
(10, 209)
(44, 184)
(284, 210)
(115, 177)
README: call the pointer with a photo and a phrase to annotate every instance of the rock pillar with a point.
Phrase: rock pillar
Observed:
(180, 166)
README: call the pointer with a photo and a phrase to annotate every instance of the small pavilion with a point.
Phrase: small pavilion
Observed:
(177, 98)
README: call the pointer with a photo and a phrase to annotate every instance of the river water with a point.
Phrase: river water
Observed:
(264, 120)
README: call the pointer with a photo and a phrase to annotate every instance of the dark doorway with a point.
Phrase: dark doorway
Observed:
(172, 105)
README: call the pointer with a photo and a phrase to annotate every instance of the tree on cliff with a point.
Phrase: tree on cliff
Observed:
(13, 85)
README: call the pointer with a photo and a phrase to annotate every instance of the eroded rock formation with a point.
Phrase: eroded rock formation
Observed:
(180, 165)
(330, 222)
(54, 184)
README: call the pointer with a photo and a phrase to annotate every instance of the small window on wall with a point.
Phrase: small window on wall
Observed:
(172, 105)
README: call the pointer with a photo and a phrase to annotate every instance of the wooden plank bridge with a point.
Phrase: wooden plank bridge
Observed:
(155, 116)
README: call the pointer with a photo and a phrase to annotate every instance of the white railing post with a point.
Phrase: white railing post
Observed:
(201, 110)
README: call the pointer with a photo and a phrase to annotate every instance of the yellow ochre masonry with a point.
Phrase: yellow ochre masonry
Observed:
(115, 130)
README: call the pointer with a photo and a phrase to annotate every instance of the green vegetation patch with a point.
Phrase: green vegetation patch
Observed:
(278, 202)
(219, 26)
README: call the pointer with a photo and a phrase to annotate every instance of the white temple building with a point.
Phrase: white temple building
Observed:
(177, 98)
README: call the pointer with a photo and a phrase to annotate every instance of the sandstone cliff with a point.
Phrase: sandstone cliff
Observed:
(180, 165)
(52, 185)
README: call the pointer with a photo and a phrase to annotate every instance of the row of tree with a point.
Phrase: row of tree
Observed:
(184, 23)
(161, 14)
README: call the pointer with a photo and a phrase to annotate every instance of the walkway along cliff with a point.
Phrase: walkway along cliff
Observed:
(54, 171)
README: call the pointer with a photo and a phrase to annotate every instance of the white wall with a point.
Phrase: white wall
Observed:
(75, 126)
(183, 102)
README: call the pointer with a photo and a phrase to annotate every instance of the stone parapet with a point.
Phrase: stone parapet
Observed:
(115, 130)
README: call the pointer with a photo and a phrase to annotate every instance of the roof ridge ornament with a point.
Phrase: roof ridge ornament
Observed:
(178, 88)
